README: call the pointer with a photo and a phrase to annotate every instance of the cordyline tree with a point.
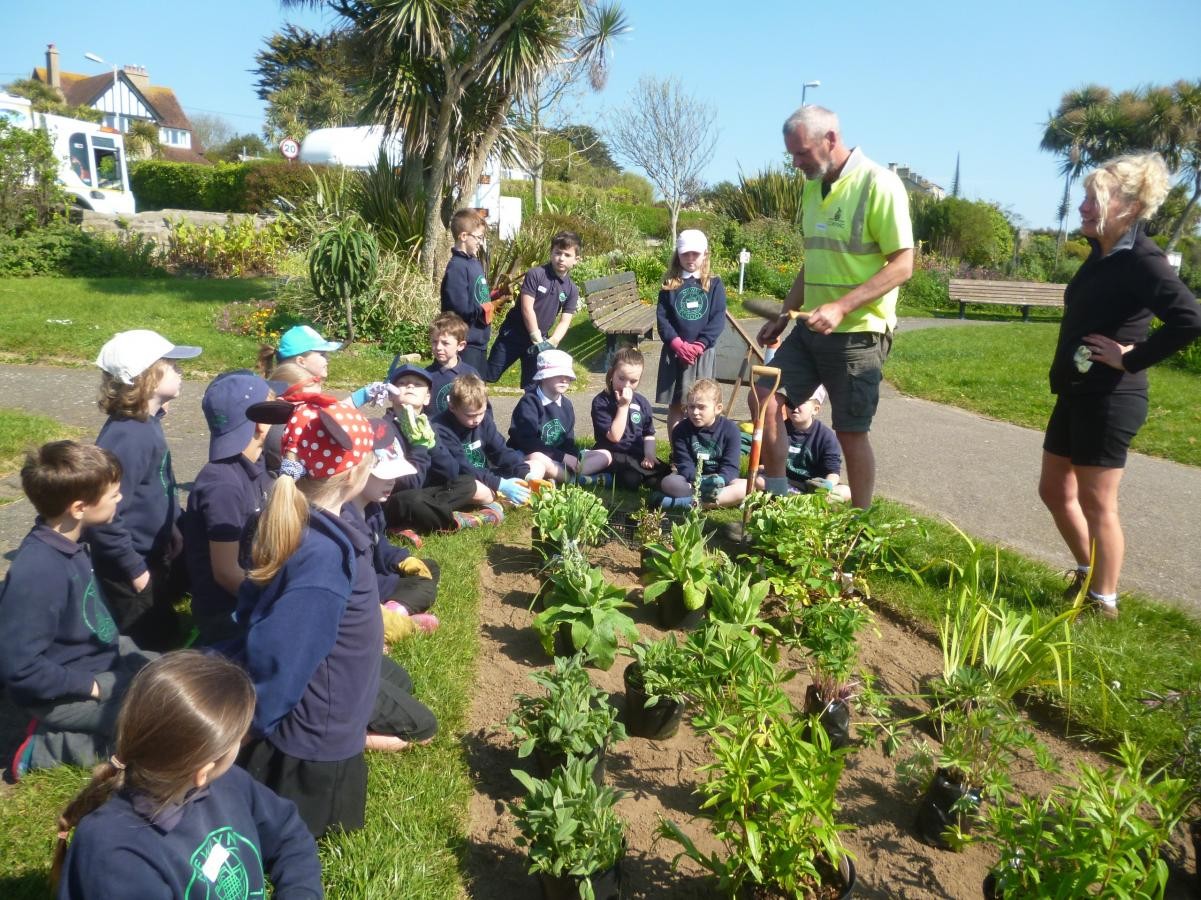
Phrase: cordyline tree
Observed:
(669, 135)
(1093, 124)
(445, 75)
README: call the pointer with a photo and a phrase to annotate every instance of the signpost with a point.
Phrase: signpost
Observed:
(290, 148)
(743, 258)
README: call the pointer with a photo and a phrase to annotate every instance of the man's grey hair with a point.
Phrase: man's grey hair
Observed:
(812, 120)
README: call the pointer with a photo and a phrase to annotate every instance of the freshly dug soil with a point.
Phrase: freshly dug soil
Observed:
(659, 778)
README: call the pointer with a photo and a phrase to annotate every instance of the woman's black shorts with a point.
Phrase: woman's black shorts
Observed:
(1095, 429)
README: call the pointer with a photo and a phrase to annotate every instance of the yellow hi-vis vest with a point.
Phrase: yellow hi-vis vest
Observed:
(849, 235)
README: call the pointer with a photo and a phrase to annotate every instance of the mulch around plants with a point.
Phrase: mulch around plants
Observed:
(659, 778)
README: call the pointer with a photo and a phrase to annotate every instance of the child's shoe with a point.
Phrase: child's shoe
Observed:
(22, 760)
(426, 622)
(675, 503)
(407, 534)
(600, 479)
(491, 513)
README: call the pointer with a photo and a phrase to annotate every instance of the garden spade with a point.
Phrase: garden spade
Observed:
(765, 375)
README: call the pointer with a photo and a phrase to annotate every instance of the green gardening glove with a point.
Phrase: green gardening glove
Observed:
(416, 427)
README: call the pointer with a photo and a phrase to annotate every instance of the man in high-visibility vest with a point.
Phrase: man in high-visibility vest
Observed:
(858, 252)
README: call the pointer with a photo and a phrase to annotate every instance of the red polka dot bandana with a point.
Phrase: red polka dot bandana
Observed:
(327, 436)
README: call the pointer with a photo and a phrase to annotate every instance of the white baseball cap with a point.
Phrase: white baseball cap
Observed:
(691, 240)
(130, 353)
(552, 363)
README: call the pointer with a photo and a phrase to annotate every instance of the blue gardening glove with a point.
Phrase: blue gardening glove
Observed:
(537, 348)
(711, 485)
(822, 484)
(514, 490)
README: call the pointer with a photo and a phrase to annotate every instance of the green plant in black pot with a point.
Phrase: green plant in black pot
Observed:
(573, 717)
(584, 613)
(828, 631)
(679, 574)
(770, 798)
(567, 514)
(648, 524)
(737, 599)
(572, 834)
(1098, 836)
(657, 686)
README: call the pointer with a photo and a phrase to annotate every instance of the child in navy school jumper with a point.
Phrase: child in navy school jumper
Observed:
(543, 423)
(408, 586)
(448, 340)
(422, 502)
(705, 433)
(547, 294)
(691, 315)
(464, 289)
(169, 814)
(814, 454)
(135, 553)
(314, 637)
(61, 658)
(624, 429)
(225, 501)
(467, 442)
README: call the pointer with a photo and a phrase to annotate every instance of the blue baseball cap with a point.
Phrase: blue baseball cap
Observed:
(410, 369)
(225, 403)
(303, 339)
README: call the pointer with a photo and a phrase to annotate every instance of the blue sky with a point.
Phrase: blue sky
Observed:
(914, 83)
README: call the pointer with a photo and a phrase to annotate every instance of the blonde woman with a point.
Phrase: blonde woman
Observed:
(1099, 370)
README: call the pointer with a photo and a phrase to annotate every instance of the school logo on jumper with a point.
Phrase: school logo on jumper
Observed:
(800, 461)
(635, 415)
(692, 303)
(226, 866)
(553, 432)
(482, 294)
(96, 615)
(562, 297)
(475, 454)
(442, 401)
(709, 449)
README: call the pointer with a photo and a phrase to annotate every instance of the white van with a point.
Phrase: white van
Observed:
(92, 165)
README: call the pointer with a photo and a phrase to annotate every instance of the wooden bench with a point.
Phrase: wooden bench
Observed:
(1005, 293)
(617, 312)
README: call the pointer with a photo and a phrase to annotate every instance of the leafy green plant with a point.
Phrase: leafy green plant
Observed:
(738, 599)
(573, 717)
(684, 562)
(725, 654)
(1100, 835)
(569, 514)
(828, 631)
(770, 800)
(664, 669)
(648, 524)
(568, 824)
(591, 608)
(343, 265)
(233, 250)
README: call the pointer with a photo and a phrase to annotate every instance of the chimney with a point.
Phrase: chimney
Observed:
(138, 76)
(52, 78)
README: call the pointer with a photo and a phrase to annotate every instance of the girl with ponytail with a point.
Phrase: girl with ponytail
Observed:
(169, 815)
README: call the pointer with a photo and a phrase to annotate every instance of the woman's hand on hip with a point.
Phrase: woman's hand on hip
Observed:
(1107, 351)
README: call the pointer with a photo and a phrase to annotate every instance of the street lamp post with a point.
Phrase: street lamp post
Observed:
(116, 100)
(806, 86)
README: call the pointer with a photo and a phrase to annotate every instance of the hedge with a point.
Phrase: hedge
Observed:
(246, 187)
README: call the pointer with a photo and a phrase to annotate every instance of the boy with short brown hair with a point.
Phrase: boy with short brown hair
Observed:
(464, 288)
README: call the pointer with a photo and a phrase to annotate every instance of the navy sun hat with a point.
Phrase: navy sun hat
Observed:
(303, 339)
(410, 369)
(225, 403)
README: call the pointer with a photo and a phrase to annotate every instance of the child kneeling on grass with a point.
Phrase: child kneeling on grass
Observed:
(61, 658)
(169, 814)
(314, 636)
(467, 442)
(705, 446)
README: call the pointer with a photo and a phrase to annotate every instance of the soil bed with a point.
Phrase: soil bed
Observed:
(659, 778)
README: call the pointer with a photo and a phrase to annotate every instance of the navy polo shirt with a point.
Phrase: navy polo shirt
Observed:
(228, 496)
(441, 378)
(552, 295)
(640, 423)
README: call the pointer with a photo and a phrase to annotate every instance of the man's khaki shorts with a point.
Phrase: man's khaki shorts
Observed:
(849, 364)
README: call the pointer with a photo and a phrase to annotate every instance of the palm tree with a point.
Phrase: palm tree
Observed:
(142, 140)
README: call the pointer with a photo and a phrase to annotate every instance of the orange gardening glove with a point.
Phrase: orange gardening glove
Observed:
(489, 309)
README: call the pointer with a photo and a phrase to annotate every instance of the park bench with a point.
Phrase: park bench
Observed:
(1005, 293)
(617, 312)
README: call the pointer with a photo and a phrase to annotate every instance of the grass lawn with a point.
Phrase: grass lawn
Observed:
(65, 321)
(1001, 371)
(417, 806)
(21, 431)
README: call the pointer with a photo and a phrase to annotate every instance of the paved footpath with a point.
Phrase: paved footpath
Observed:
(979, 473)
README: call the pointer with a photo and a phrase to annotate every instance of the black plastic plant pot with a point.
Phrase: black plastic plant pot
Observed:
(834, 717)
(989, 888)
(846, 888)
(935, 811)
(563, 643)
(658, 722)
(672, 613)
(547, 761)
(606, 885)
(544, 547)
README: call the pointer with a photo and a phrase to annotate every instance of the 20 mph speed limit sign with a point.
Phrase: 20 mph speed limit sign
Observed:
(289, 148)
